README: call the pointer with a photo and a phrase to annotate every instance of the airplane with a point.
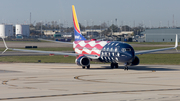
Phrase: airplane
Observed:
(112, 52)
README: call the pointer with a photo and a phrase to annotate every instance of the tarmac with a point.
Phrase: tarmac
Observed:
(69, 82)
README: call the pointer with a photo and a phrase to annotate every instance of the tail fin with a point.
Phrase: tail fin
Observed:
(77, 32)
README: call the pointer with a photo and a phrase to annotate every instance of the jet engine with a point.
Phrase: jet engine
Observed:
(82, 61)
(135, 61)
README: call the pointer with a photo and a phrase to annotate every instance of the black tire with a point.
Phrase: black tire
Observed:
(83, 67)
(88, 66)
(116, 65)
(112, 65)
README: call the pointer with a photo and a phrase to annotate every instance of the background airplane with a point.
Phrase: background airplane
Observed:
(113, 52)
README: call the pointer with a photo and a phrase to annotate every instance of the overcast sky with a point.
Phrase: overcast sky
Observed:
(127, 12)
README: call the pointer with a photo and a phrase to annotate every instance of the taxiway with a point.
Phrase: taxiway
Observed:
(68, 82)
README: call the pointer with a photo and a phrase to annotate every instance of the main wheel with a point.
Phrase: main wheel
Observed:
(88, 66)
(112, 65)
(116, 65)
(83, 67)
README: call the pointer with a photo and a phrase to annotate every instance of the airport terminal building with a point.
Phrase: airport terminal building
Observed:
(161, 35)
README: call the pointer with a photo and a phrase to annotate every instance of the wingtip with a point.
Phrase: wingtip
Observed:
(176, 43)
(4, 45)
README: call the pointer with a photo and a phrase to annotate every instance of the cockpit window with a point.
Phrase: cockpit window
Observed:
(128, 49)
(125, 49)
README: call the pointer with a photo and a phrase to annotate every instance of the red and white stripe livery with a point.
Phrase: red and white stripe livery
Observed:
(89, 47)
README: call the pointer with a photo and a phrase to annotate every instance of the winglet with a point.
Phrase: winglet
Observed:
(5, 46)
(176, 42)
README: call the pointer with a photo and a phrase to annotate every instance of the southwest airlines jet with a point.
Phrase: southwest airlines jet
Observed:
(113, 52)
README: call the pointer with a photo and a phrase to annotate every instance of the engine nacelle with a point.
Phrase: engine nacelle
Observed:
(82, 61)
(135, 61)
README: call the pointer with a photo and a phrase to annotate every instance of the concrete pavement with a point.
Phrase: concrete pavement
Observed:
(67, 82)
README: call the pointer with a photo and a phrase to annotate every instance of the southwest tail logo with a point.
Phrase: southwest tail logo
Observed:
(77, 32)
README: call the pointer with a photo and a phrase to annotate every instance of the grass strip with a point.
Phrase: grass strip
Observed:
(152, 59)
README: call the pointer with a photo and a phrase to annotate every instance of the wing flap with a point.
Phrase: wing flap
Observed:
(47, 52)
(54, 52)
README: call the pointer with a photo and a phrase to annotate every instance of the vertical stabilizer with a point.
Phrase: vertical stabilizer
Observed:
(77, 32)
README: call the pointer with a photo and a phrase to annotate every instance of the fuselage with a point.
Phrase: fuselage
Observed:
(108, 51)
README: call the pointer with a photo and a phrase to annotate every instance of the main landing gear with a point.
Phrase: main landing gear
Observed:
(83, 67)
(114, 65)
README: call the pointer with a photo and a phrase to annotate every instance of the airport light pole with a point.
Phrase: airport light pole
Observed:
(100, 29)
(85, 24)
(41, 28)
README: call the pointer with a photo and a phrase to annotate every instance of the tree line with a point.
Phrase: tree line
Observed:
(54, 25)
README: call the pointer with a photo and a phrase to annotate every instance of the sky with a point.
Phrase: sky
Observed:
(150, 13)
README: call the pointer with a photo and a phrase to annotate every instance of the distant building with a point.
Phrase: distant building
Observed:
(22, 30)
(123, 33)
(64, 35)
(161, 35)
(85, 32)
(50, 32)
(6, 30)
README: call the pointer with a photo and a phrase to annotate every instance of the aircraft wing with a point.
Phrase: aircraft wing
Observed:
(156, 50)
(55, 41)
(47, 52)
(55, 53)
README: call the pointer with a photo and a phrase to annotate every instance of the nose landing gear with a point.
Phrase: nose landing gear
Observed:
(126, 66)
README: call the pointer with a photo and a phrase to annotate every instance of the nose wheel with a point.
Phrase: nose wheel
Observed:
(126, 66)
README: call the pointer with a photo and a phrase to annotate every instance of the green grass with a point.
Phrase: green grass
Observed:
(152, 59)
(160, 59)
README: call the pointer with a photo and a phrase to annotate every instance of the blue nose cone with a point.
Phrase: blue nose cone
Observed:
(126, 53)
